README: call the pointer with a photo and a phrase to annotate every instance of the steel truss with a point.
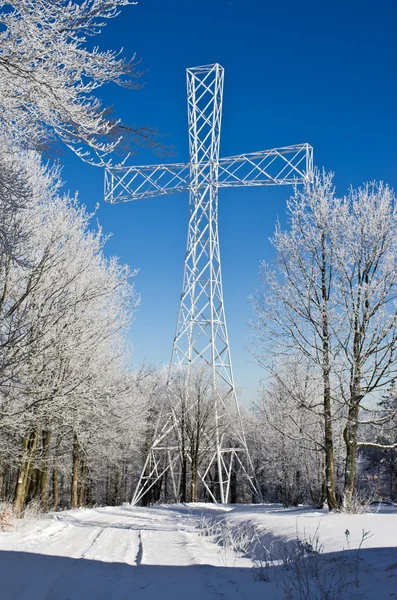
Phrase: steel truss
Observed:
(201, 346)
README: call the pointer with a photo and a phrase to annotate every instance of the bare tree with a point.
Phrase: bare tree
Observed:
(192, 407)
(288, 444)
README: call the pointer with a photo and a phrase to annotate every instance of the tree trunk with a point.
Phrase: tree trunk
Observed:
(350, 430)
(21, 476)
(1, 481)
(233, 485)
(55, 486)
(44, 469)
(350, 438)
(194, 474)
(117, 486)
(195, 449)
(329, 452)
(124, 483)
(29, 444)
(32, 485)
(328, 439)
(183, 491)
(75, 472)
(83, 473)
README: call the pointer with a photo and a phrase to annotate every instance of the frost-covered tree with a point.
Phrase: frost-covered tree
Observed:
(73, 415)
(64, 316)
(294, 307)
(286, 436)
(50, 73)
(366, 287)
(191, 402)
(331, 298)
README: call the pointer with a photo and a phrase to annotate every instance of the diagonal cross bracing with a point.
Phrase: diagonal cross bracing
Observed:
(201, 347)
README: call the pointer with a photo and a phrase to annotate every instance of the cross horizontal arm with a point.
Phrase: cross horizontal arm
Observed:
(291, 164)
(123, 184)
(279, 166)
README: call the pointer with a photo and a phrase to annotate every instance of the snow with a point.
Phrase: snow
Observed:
(123, 553)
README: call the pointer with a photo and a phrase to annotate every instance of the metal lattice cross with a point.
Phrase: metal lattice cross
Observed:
(201, 347)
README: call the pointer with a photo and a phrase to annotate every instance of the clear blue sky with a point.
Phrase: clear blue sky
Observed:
(315, 71)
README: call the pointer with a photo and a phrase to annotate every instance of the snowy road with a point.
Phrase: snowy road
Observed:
(128, 553)
(118, 554)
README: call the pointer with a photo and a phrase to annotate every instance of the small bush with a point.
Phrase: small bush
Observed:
(239, 538)
(32, 511)
(361, 502)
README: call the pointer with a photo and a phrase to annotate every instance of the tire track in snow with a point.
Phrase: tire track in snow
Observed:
(139, 554)
(86, 551)
(42, 583)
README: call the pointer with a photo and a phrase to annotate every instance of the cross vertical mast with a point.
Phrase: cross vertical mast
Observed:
(201, 338)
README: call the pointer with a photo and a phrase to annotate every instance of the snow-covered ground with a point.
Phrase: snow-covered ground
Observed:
(123, 553)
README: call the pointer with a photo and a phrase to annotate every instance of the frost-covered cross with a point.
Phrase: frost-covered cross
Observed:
(201, 338)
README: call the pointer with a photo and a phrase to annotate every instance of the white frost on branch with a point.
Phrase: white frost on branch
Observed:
(50, 73)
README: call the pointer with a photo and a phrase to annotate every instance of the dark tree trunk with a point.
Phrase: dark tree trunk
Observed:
(29, 444)
(328, 437)
(55, 486)
(83, 474)
(75, 472)
(46, 440)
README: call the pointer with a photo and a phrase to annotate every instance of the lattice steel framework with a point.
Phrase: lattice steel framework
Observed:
(201, 339)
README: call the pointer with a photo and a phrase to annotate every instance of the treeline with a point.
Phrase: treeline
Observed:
(66, 392)
(71, 409)
(76, 421)
(286, 440)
